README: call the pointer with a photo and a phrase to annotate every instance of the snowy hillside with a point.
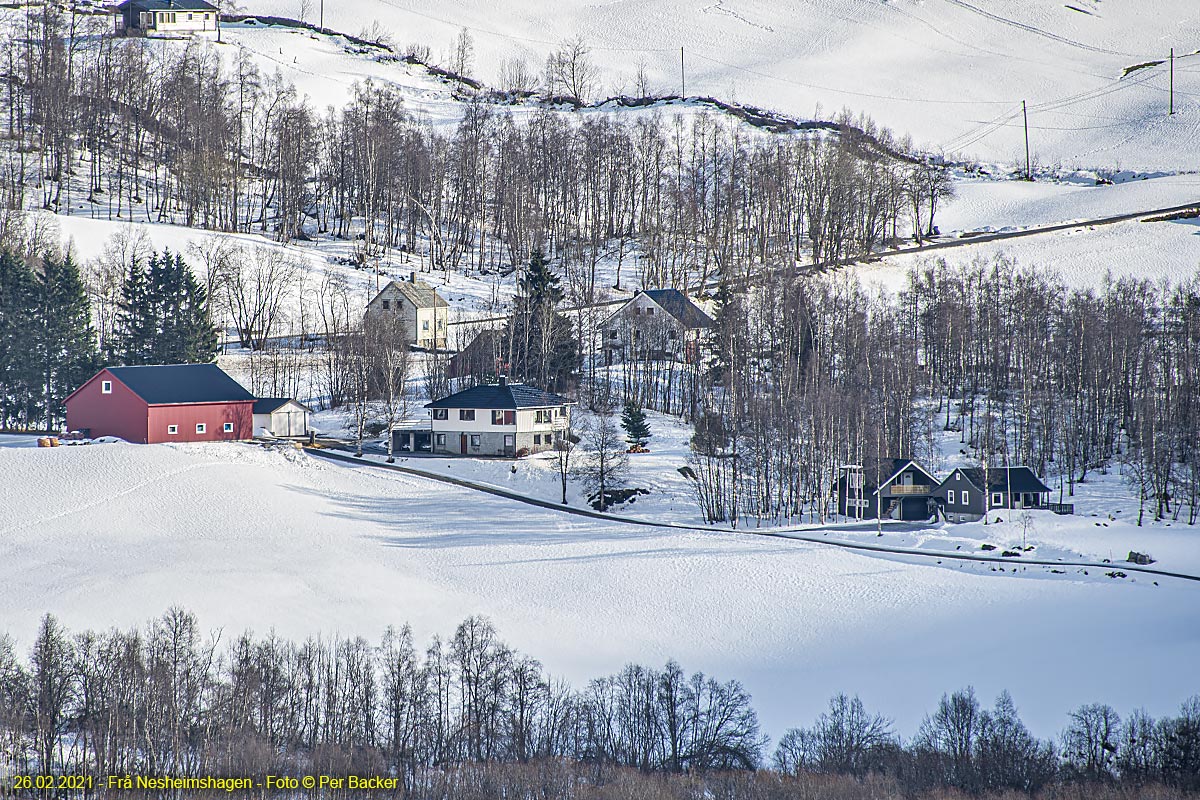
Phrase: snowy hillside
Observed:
(254, 538)
(950, 72)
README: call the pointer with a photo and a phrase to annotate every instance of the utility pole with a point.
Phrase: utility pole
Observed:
(682, 77)
(322, 26)
(1025, 114)
(1171, 110)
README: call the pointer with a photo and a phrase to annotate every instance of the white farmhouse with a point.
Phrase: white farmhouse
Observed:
(417, 305)
(166, 18)
(504, 419)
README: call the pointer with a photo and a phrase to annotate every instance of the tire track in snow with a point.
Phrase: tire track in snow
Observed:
(792, 535)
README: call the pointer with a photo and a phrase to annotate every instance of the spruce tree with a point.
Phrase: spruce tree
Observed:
(66, 347)
(136, 328)
(20, 398)
(635, 425)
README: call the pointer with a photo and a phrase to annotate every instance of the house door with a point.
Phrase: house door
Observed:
(906, 479)
(462, 443)
(510, 442)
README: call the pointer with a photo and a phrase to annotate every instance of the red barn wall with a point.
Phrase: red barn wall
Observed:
(121, 413)
(213, 415)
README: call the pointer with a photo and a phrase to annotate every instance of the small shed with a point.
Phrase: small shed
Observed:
(281, 416)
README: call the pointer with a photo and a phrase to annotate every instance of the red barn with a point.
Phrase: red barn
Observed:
(162, 403)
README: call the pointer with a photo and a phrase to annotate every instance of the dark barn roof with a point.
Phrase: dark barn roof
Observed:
(173, 384)
(502, 395)
(680, 306)
(1023, 480)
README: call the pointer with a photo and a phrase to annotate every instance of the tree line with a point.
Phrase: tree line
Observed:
(174, 134)
(49, 341)
(814, 372)
(468, 716)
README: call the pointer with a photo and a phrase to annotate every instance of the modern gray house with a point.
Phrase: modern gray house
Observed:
(966, 492)
(892, 488)
(502, 419)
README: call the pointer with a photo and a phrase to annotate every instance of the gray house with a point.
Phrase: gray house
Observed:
(893, 488)
(415, 304)
(965, 493)
(502, 419)
(656, 324)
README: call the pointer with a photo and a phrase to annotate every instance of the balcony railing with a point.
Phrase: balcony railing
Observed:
(915, 489)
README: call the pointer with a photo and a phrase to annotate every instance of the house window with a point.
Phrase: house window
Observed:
(542, 415)
(441, 324)
(228, 427)
(509, 440)
(649, 312)
(172, 430)
(497, 417)
(997, 499)
(537, 438)
(425, 325)
(510, 417)
(964, 500)
(387, 305)
(105, 387)
(474, 440)
(950, 497)
(441, 438)
(467, 414)
(564, 411)
(440, 413)
(172, 17)
(189, 16)
(201, 427)
(612, 334)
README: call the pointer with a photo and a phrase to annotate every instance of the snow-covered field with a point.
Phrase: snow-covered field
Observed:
(259, 538)
(952, 73)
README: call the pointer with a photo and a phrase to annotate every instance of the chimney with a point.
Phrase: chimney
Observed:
(504, 380)
(412, 277)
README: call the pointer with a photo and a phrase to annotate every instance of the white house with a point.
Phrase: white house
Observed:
(281, 416)
(656, 323)
(166, 18)
(503, 419)
(416, 304)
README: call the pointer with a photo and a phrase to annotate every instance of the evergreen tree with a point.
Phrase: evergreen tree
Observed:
(19, 370)
(165, 317)
(66, 347)
(635, 425)
(543, 350)
(135, 328)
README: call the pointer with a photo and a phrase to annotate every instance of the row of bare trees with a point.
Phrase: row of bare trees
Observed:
(468, 716)
(172, 700)
(816, 372)
(176, 134)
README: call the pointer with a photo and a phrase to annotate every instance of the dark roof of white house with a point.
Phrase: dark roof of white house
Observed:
(173, 384)
(501, 395)
(167, 5)
(681, 307)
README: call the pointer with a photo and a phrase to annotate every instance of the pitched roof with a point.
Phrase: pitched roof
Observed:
(419, 293)
(901, 464)
(172, 384)
(681, 307)
(1023, 479)
(168, 5)
(503, 395)
(268, 405)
